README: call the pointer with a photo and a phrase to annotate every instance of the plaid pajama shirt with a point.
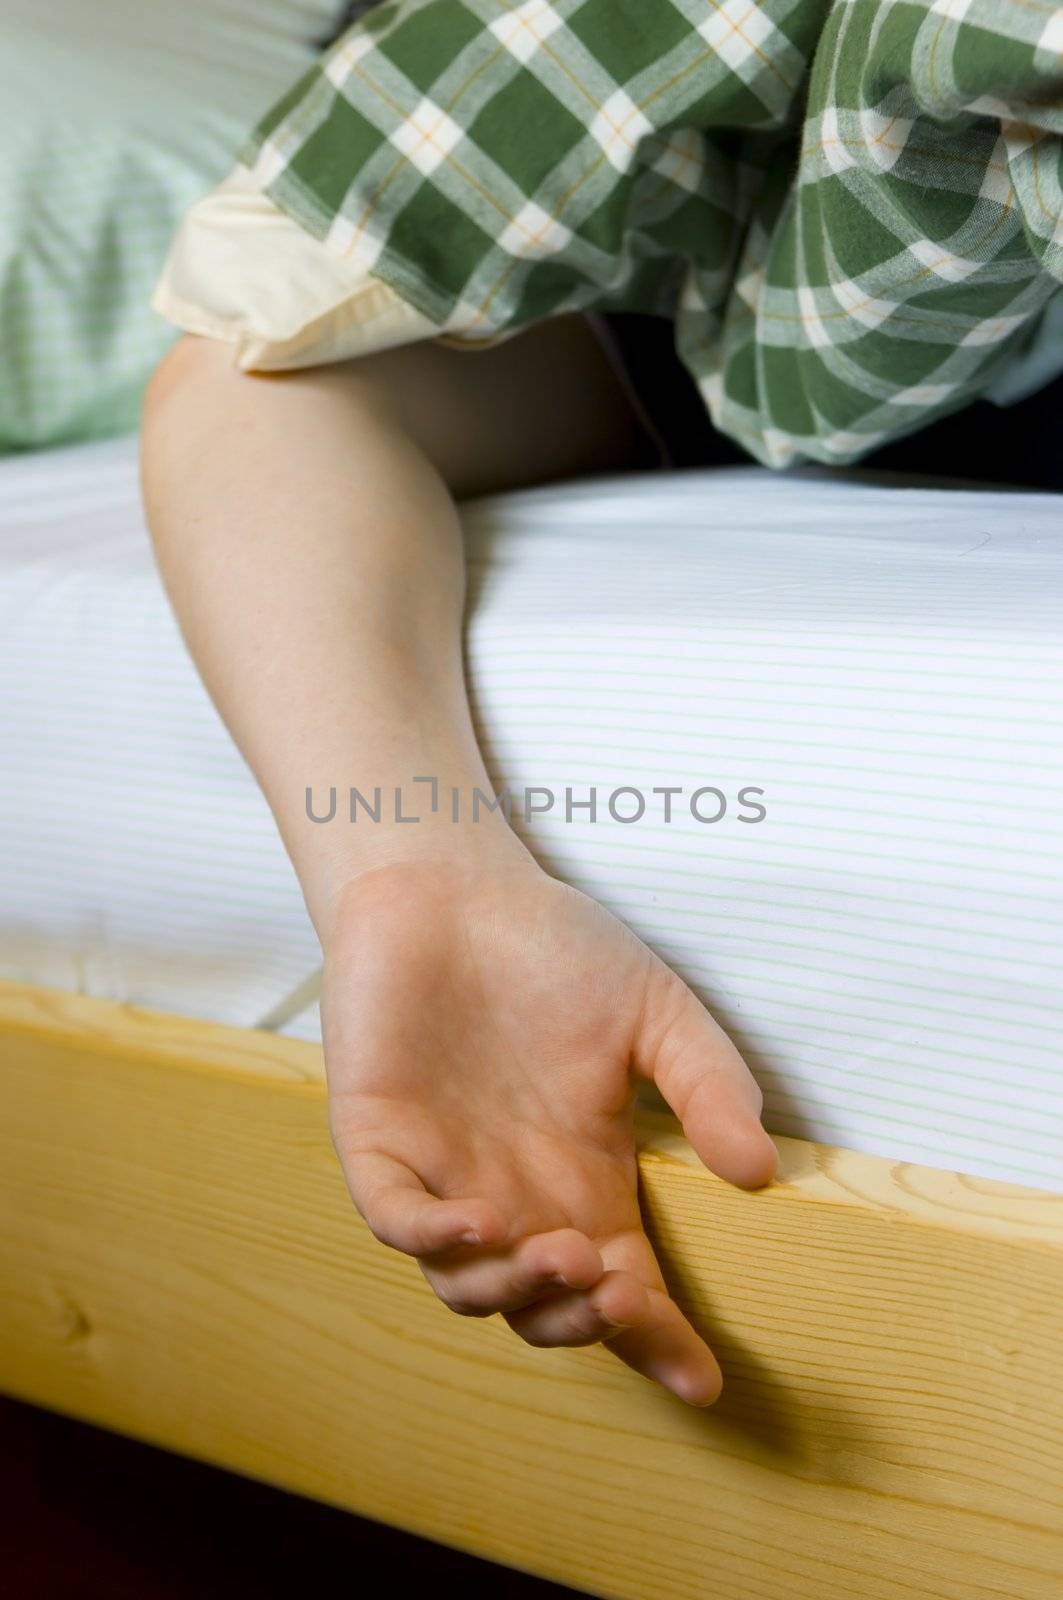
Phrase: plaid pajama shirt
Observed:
(851, 209)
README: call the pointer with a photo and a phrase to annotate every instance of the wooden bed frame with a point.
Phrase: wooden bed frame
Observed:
(179, 1261)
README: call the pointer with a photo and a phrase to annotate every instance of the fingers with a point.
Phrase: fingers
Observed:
(642, 1326)
(460, 1242)
(705, 1081)
(661, 1344)
(483, 1282)
(630, 1310)
(664, 1347)
(553, 1288)
(401, 1212)
(617, 1301)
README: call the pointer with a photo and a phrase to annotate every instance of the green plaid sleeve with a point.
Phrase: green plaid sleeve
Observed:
(851, 210)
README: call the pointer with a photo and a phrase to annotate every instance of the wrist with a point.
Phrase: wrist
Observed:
(404, 855)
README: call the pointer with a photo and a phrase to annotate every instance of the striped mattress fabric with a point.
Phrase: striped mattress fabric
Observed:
(854, 691)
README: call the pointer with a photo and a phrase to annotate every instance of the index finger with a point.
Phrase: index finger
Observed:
(402, 1213)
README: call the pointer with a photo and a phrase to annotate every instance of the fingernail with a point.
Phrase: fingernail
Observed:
(470, 1236)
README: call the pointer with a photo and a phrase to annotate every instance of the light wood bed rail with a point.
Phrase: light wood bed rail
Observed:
(179, 1261)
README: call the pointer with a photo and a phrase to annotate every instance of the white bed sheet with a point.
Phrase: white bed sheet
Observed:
(886, 663)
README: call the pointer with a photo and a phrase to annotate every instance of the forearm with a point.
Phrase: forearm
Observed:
(306, 530)
(313, 556)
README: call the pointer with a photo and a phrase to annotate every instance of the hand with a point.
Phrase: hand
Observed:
(485, 1027)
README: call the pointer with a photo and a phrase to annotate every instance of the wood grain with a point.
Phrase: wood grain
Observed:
(178, 1260)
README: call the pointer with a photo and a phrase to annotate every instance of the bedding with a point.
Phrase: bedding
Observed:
(118, 115)
(853, 211)
(854, 687)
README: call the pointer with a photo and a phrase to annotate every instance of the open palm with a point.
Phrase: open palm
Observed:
(484, 1033)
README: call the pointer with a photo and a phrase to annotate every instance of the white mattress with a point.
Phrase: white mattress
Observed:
(885, 663)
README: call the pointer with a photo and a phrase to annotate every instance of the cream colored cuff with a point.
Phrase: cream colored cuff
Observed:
(241, 270)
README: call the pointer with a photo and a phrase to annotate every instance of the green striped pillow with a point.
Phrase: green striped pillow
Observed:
(117, 115)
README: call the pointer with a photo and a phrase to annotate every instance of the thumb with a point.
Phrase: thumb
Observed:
(684, 1051)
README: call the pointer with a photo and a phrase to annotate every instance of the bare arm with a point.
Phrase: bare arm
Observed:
(307, 534)
(483, 1024)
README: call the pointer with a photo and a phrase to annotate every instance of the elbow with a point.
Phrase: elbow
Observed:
(189, 368)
